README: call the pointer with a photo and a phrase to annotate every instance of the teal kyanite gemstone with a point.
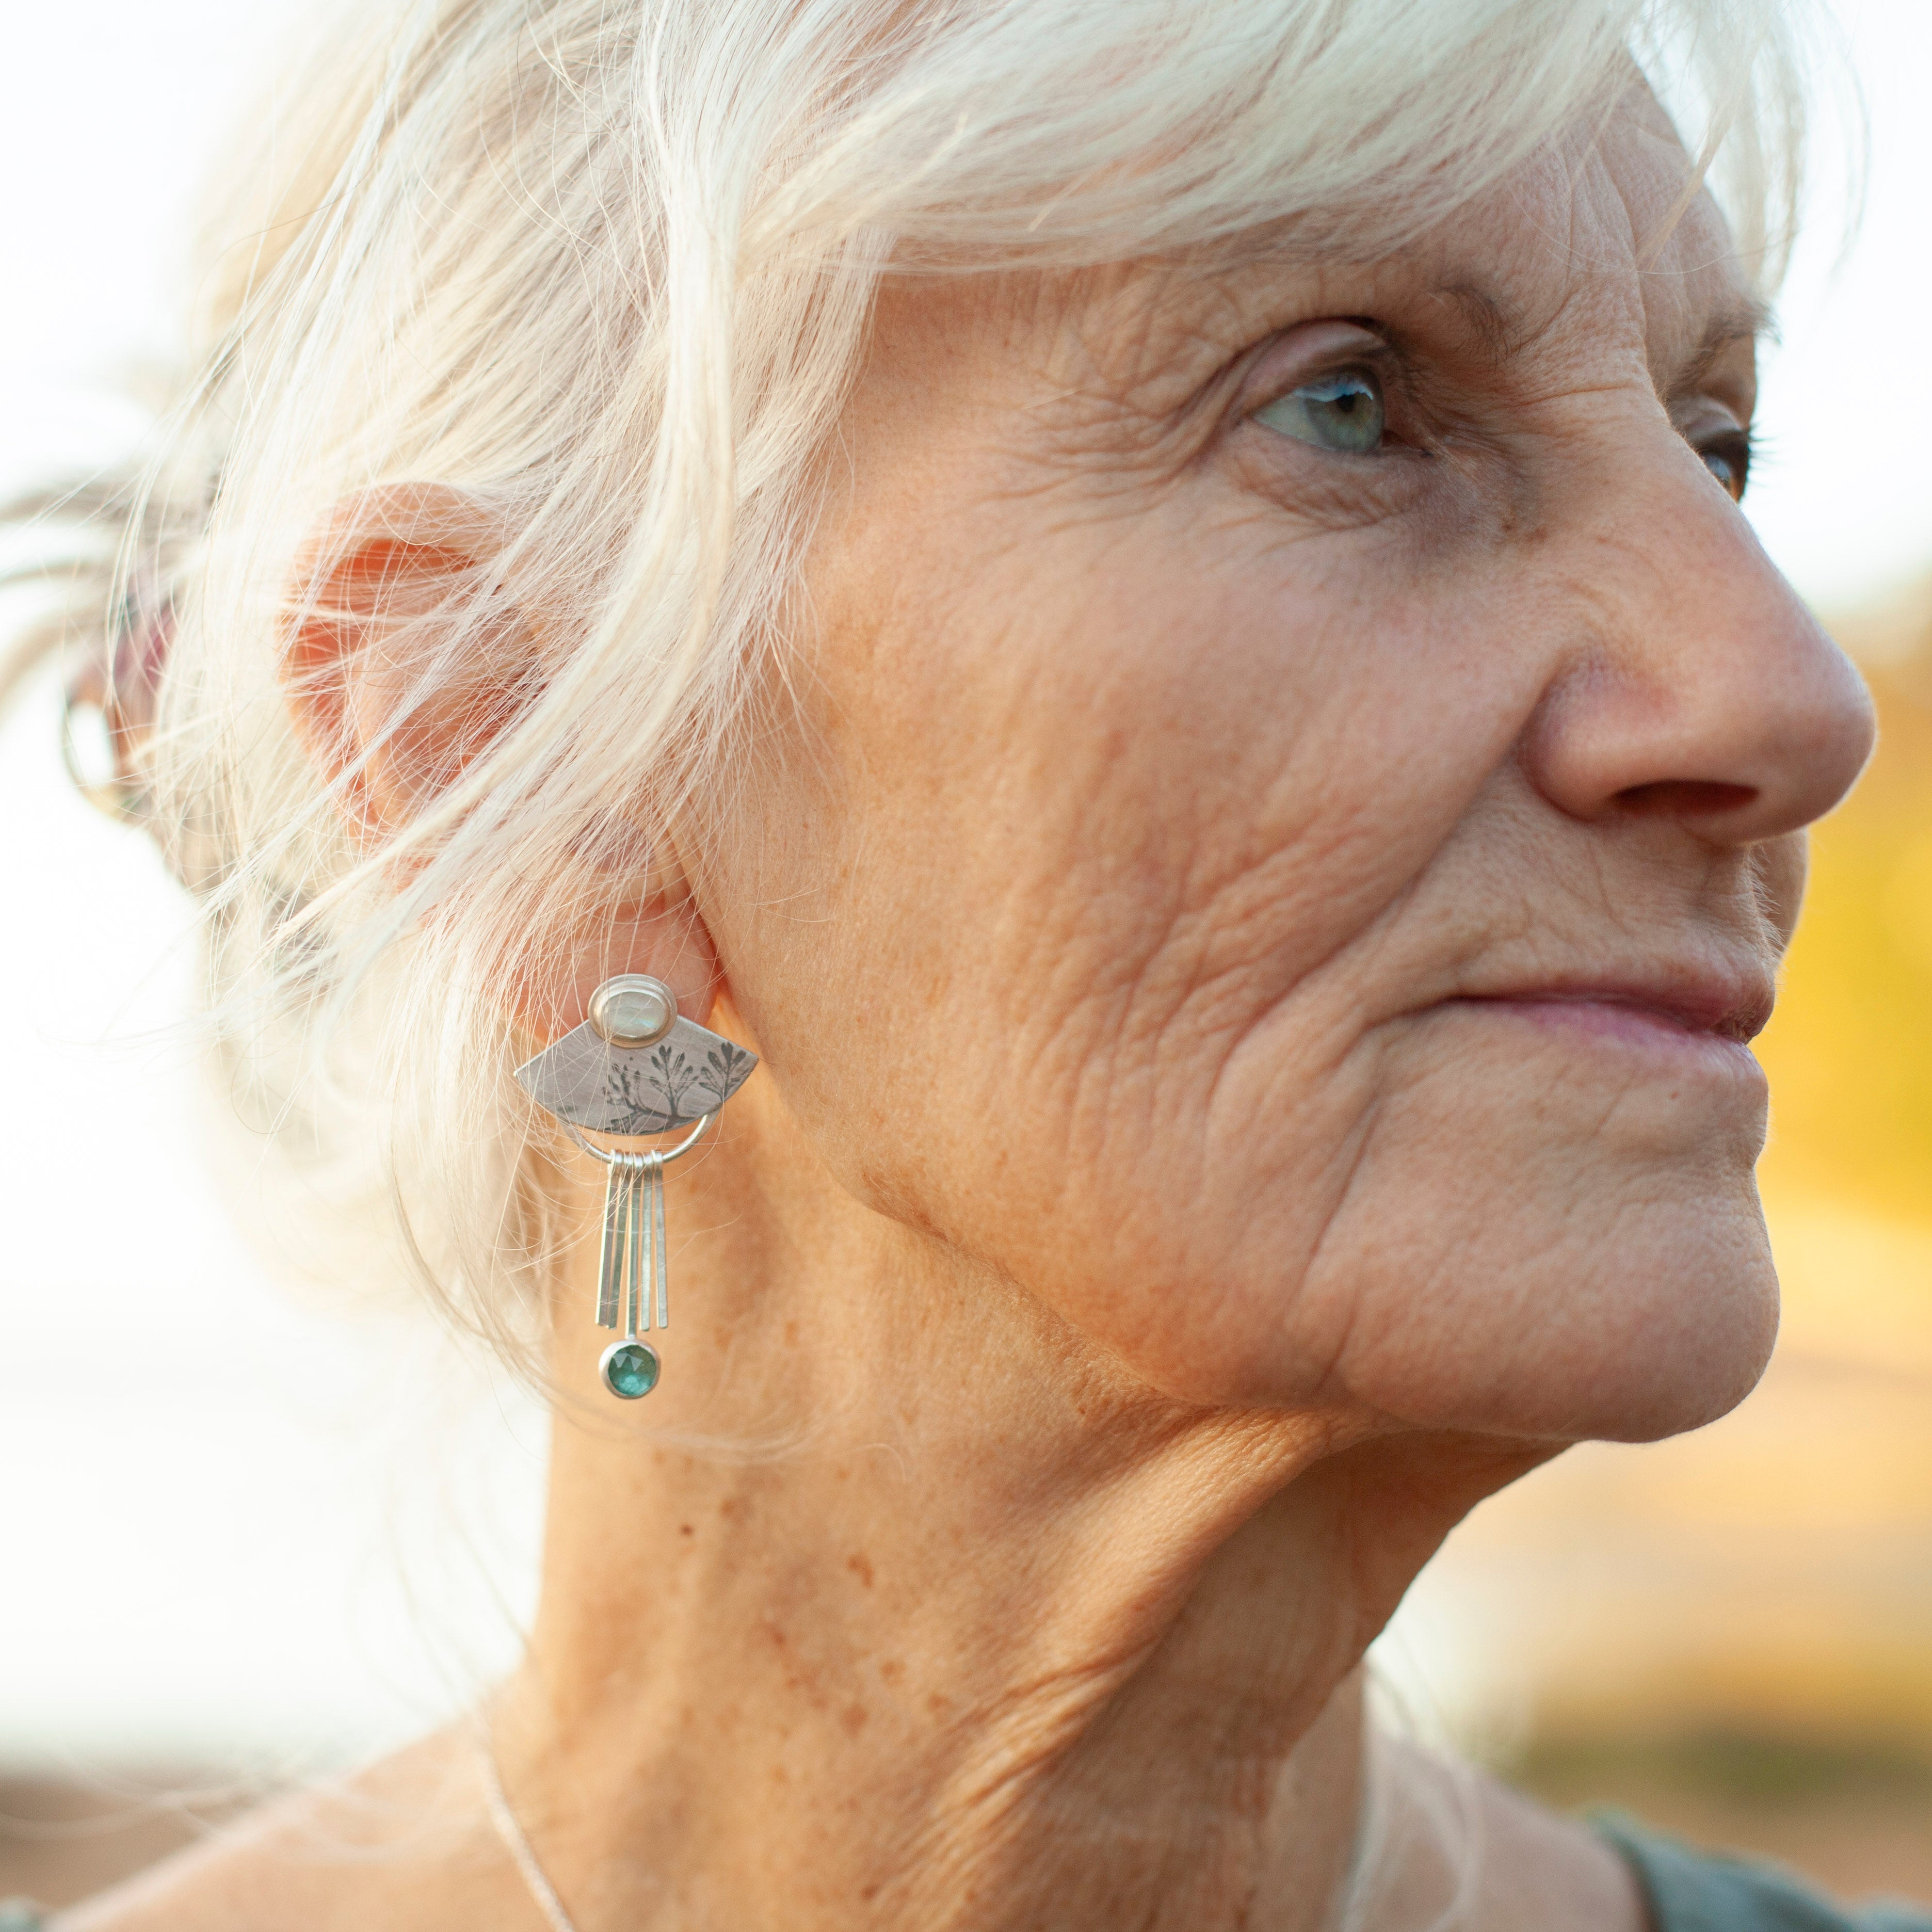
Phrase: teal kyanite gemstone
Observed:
(630, 1369)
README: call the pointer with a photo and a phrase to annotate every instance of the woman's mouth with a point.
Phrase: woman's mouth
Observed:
(1725, 1010)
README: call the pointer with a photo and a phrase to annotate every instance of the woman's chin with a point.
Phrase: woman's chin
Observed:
(1557, 1241)
(1628, 1340)
(1644, 1312)
(1685, 1351)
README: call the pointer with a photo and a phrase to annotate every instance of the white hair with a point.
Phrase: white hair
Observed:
(606, 266)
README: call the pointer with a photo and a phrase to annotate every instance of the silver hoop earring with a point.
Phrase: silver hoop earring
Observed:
(633, 1067)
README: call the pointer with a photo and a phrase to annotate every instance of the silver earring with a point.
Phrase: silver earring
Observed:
(633, 1067)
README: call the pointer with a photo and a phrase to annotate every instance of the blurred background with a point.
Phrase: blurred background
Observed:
(251, 1528)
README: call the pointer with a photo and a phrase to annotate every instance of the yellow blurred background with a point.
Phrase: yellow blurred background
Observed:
(1732, 1631)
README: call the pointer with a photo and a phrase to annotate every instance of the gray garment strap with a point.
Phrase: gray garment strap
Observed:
(21, 1915)
(1695, 1891)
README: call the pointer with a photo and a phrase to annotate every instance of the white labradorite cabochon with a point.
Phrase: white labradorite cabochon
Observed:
(633, 1010)
(614, 1089)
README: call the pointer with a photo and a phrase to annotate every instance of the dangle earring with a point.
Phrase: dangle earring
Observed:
(633, 1067)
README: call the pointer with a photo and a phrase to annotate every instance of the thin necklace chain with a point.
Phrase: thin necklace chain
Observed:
(517, 1844)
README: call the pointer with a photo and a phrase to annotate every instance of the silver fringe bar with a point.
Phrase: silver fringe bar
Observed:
(660, 1259)
(633, 1262)
(611, 1253)
(640, 1256)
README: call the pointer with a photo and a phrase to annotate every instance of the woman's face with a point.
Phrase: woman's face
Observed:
(1294, 810)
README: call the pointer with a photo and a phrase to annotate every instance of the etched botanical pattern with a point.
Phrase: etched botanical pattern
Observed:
(648, 1096)
(723, 1073)
(644, 1097)
(674, 1074)
(580, 1079)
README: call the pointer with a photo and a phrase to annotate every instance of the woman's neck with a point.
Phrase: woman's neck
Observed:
(949, 1624)
(895, 1607)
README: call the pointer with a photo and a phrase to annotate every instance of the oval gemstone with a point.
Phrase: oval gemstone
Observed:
(633, 1010)
(631, 1368)
(638, 1013)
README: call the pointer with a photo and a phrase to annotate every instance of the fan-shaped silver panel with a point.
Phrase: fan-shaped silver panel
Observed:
(582, 1079)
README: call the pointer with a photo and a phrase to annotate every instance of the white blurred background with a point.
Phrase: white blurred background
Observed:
(217, 1544)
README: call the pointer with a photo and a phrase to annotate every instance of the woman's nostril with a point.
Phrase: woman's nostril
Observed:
(1685, 798)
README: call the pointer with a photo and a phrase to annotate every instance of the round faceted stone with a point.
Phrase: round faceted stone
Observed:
(630, 1369)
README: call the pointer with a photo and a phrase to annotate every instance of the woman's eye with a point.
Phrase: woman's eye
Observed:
(1344, 411)
(1728, 459)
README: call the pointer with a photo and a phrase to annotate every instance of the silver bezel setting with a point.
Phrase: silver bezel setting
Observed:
(610, 1355)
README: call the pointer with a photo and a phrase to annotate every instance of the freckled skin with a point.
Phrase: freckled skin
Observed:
(1151, 1230)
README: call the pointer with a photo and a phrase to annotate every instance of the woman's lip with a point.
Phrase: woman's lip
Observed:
(1727, 1011)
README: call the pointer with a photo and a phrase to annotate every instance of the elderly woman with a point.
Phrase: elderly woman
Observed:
(1146, 602)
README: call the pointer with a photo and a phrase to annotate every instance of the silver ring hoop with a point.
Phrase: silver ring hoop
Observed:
(613, 1157)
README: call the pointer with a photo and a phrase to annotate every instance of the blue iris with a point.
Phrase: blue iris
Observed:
(1342, 411)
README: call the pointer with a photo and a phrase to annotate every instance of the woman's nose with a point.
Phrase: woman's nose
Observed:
(1697, 686)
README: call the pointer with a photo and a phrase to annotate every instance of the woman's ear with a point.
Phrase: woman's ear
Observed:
(396, 684)
(392, 687)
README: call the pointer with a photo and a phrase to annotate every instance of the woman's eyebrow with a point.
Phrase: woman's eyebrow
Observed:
(1485, 318)
(1743, 318)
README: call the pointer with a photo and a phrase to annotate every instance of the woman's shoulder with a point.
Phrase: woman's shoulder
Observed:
(404, 1843)
(1690, 1891)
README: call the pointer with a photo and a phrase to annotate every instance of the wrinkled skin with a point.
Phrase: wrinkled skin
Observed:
(1211, 819)
(1253, 945)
